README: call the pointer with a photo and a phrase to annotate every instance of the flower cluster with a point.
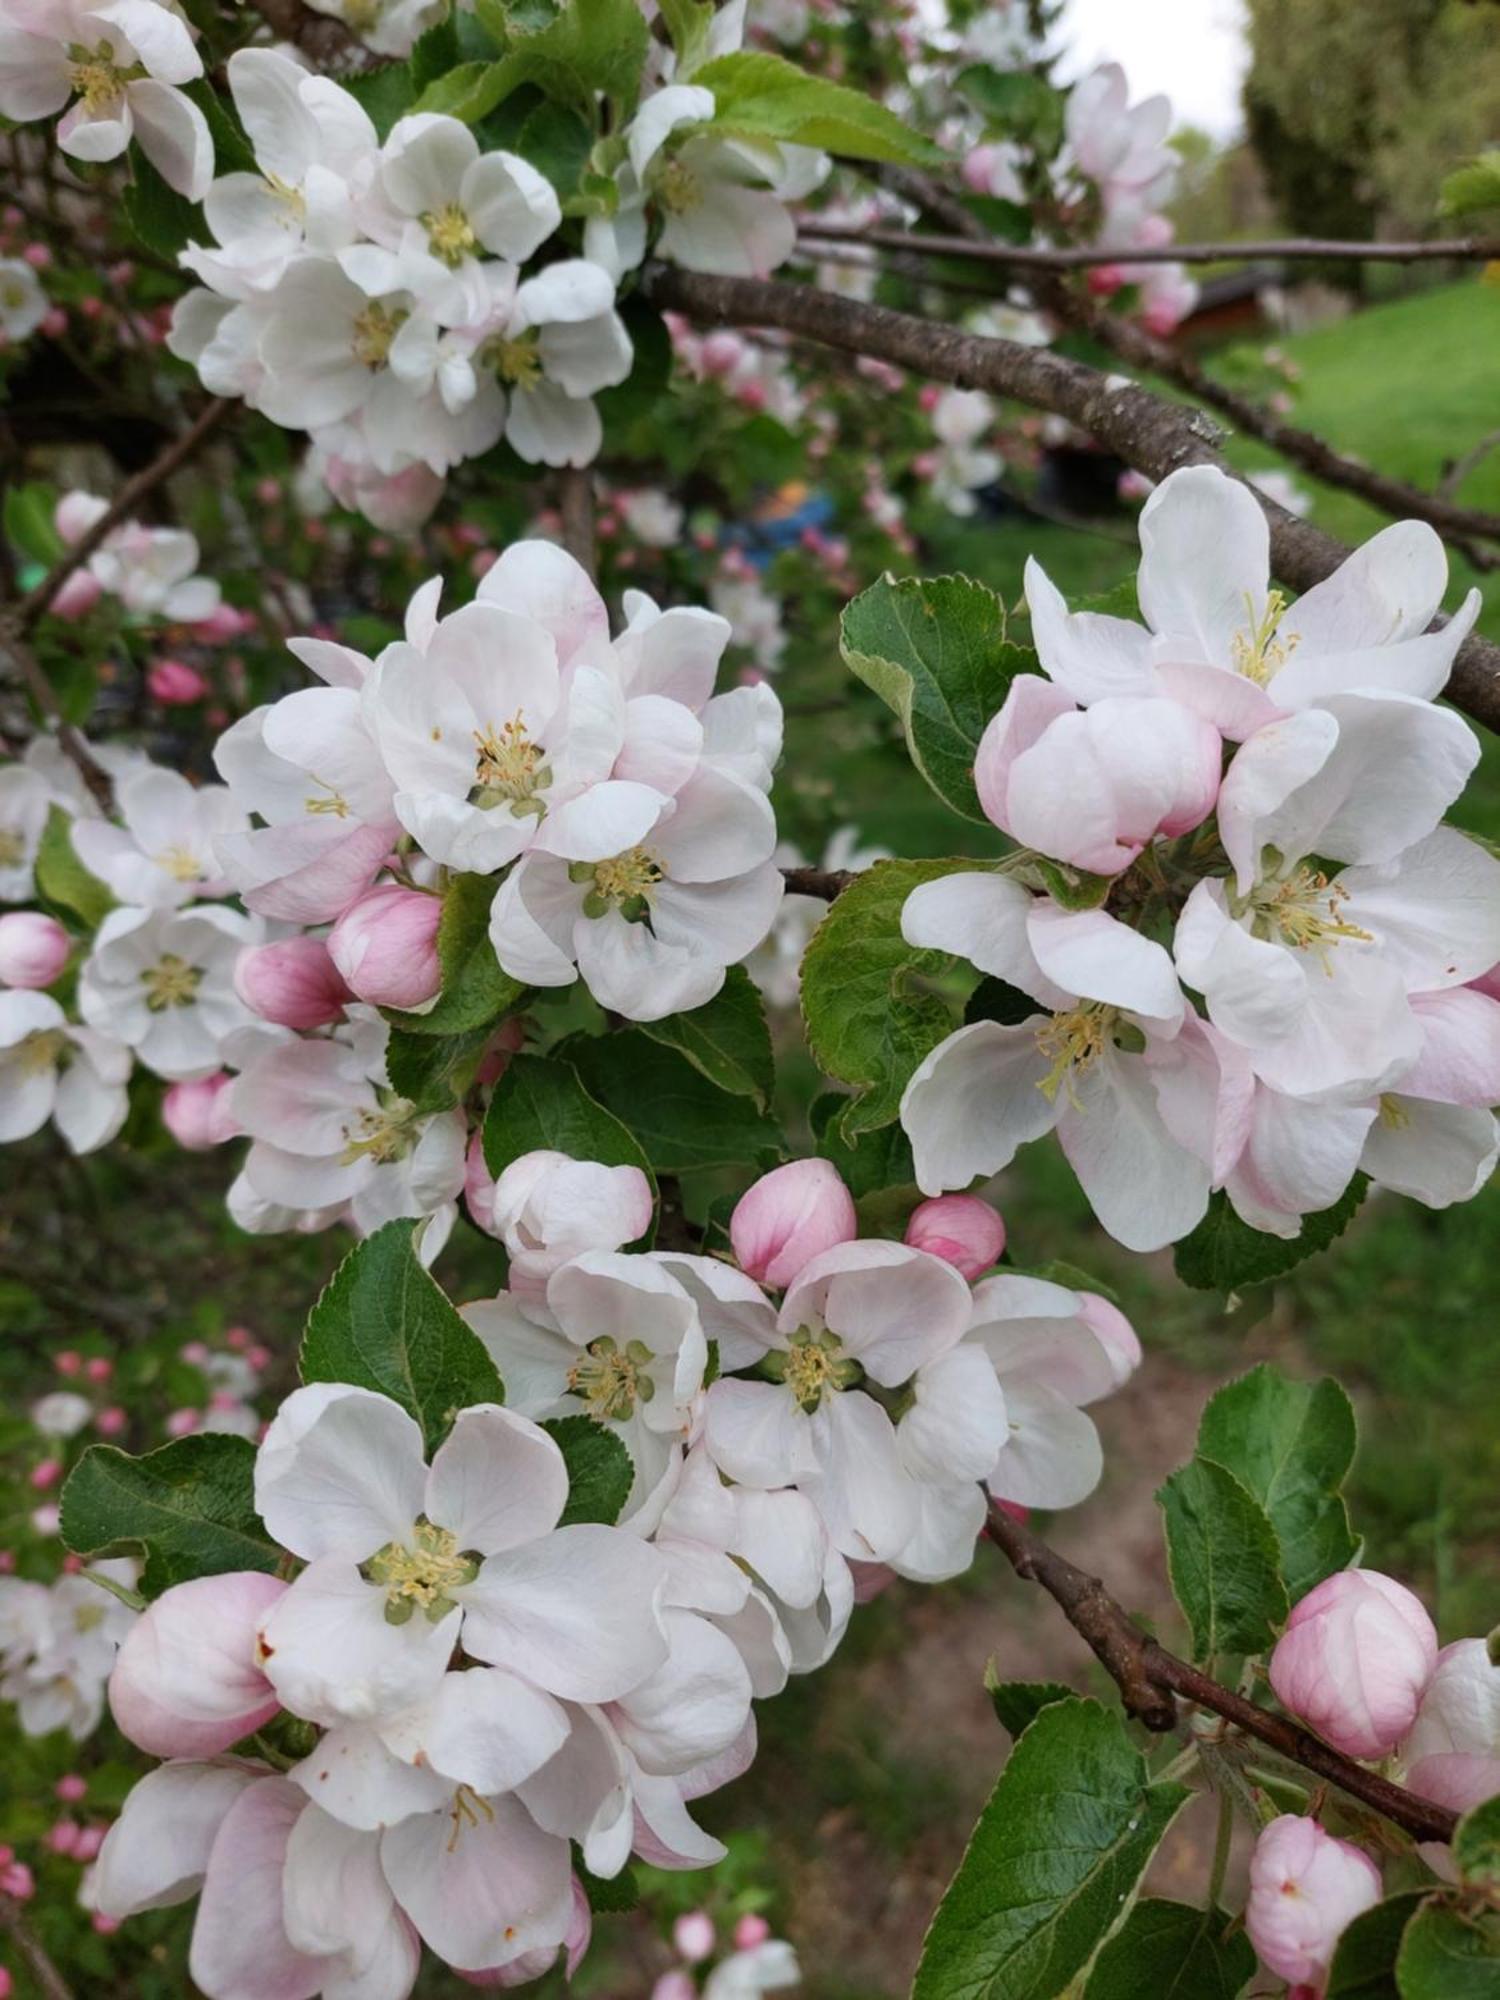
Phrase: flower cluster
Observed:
(1245, 953)
(460, 1677)
(58, 1644)
(114, 69)
(1359, 1661)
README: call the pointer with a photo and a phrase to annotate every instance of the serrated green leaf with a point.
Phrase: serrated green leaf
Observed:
(1449, 1954)
(1017, 1704)
(934, 649)
(29, 525)
(540, 1102)
(558, 143)
(869, 1021)
(600, 1473)
(162, 220)
(385, 93)
(62, 878)
(1058, 1850)
(1364, 1965)
(470, 91)
(1073, 888)
(434, 1071)
(1476, 1845)
(434, 53)
(762, 96)
(233, 153)
(688, 23)
(726, 1038)
(1019, 104)
(867, 1164)
(189, 1507)
(1224, 1561)
(1171, 1951)
(1224, 1254)
(1289, 1444)
(475, 992)
(682, 1120)
(586, 48)
(384, 1323)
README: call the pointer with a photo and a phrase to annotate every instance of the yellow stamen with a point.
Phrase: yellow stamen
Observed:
(180, 864)
(627, 881)
(1394, 1115)
(374, 330)
(12, 847)
(465, 1811)
(421, 1575)
(612, 1380)
(171, 982)
(1256, 652)
(1303, 911)
(813, 1366)
(1073, 1041)
(42, 1050)
(382, 1135)
(508, 766)
(334, 802)
(450, 235)
(676, 187)
(97, 78)
(517, 361)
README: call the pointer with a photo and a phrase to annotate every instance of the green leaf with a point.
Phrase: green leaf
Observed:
(681, 1119)
(62, 878)
(1290, 1445)
(600, 1473)
(1018, 104)
(994, 1000)
(762, 96)
(1171, 1951)
(384, 1323)
(158, 216)
(1224, 1254)
(634, 399)
(434, 1071)
(558, 143)
(540, 1102)
(189, 1506)
(934, 649)
(469, 92)
(609, 1896)
(233, 153)
(1017, 1704)
(385, 94)
(869, 1163)
(1472, 189)
(1449, 1954)
(29, 525)
(1364, 1965)
(1476, 1845)
(1224, 1561)
(688, 23)
(726, 1038)
(1074, 888)
(869, 1019)
(1058, 1850)
(588, 47)
(475, 992)
(434, 53)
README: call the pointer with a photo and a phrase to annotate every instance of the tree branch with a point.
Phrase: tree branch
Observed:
(1147, 431)
(50, 1981)
(825, 883)
(1083, 257)
(576, 505)
(1150, 1679)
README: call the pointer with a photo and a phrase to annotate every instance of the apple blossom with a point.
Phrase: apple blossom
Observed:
(960, 1228)
(23, 303)
(62, 1414)
(34, 948)
(115, 67)
(1354, 1659)
(547, 1208)
(153, 572)
(75, 1076)
(165, 853)
(186, 1682)
(196, 1112)
(1220, 639)
(57, 1647)
(961, 465)
(788, 1217)
(389, 27)
(768, 1966)
(292, 982)
(1452, 1751)
(162, 982)
(385, 947)
(175, 684)
(25, 800)
(1306, 1888)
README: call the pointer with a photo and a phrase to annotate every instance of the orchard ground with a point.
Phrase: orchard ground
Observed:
(871, 1773)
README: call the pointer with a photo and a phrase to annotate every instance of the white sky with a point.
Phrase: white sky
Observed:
(1194, 50)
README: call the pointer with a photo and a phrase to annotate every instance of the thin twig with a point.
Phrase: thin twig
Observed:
(576, 505)
(31, 1948)
(1149, 1678)
(825, 883)
(1455, 474)
(1147, 431)
(1083, 257)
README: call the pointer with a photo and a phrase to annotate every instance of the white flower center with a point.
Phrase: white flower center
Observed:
(611, 1380)
(1074, 1041)
(381, 1135)
(627, 883)
(1304, 910)
(12, 847)
(373, 331)
(43, 1049)
(171, 982)
(509, 769)
(421, 1574)
(180, 863)
(518, 361)
(813, 1367)
(1257, 653)
(97, 78)
(677, 187)
(450, 235)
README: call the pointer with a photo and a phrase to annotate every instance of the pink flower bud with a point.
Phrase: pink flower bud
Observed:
(46, 1473)
(79, 594)
(75, 513)
(68, 1362)
(961, 1229)
(750, 1931)
(187, 1682)
(1104, 280)
(479, 1188)
(508, 1040)
(88, 1841)
(722, 353)
(60, 1837)
(1115, 1332)
(385, 945)
(99, 1368)
(181, 1423)
(17, 1880)
(174, 683)
(33, 949)
(195, 1351)
(238, 1337)
(105, 1926)
(675, 1986)
(788, 1217)
(1305, 1889)
(109, 1423)
(38, 256)
(70, 1788)
(1354, 1659)
(693, 1936)
(293, 983)
(7, 1987)
(196, 1112)
(929, 396)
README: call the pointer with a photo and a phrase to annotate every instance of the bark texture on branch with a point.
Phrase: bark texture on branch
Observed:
(1454, 249)
(1151, 1680)
(825, 883)
(1157, 437)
